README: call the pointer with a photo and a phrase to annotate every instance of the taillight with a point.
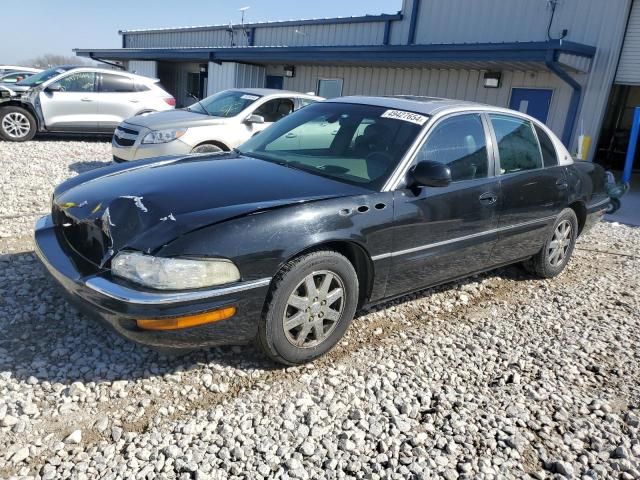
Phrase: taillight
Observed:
(170, 101)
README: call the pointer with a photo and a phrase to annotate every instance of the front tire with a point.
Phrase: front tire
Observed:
(311, 303)
(17, 124)
(207, 148)
(557, 250)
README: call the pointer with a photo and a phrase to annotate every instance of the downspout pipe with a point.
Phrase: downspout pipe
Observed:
(413, 22)
(572, 114)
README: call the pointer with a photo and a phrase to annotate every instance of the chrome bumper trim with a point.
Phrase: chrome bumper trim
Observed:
(137, 297)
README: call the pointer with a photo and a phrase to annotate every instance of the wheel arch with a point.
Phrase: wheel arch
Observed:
(217, 143)
(580, 210)
(356, 254)
(26, 106)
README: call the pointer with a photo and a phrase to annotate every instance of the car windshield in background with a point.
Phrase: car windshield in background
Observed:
(224, 104)
(358, 144)
(39, 78)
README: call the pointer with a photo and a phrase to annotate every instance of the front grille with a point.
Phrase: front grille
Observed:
(85, 238)
(125, 137)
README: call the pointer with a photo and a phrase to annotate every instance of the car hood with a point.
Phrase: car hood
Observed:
(174, 119)
(147, 205)
(17, 88)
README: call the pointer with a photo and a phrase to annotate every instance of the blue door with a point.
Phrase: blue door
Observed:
(275, 81)
(532, 101)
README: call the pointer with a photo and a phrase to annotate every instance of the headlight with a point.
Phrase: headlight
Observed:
(173, 273)
(163, 136)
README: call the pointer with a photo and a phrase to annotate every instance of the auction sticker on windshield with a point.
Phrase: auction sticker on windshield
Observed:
(249, 97)
(406, 116)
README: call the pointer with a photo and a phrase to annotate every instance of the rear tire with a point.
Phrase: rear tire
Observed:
(17, 124)
(310, 305)
(557, 250)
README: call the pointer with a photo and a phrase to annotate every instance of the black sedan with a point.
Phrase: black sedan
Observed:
(339, 205)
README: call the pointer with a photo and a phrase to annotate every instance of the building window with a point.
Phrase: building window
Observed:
(329, 87)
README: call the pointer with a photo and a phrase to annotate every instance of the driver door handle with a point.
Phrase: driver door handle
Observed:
(86, 99)
(488, 198)
(290, 135)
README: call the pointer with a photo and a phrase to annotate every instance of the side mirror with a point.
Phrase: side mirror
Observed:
(429, 174)
(54, 87)
(254, 119)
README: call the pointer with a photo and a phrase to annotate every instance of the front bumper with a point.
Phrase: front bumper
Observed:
(120, 304)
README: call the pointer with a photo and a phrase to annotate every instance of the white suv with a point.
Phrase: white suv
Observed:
(217, 123)
(78, 99)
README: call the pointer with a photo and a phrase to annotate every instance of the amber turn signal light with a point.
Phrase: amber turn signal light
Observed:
(188, 321)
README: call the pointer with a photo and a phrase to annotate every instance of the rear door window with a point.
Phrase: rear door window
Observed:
(116, 84)
(518, 147)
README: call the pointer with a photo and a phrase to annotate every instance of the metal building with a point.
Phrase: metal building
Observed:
(567, 62)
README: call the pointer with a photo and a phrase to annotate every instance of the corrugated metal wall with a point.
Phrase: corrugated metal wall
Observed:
(234, 75)
(629, 66)
(599, 23)
(370, 33)
(143, 67)
(461, 84)
(367, 33)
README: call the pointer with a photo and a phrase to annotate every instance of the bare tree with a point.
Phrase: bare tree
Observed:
(49, 60)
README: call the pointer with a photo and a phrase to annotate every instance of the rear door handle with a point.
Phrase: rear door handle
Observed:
(290, 135)
(133, 100)
(86, 99)
(488, 198)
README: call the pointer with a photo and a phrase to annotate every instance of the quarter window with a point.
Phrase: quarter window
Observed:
(517, 144)
(116, 84)
(549, 154)
(460, 143)
(78, 82)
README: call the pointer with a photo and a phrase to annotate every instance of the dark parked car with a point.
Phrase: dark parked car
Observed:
(341, 204)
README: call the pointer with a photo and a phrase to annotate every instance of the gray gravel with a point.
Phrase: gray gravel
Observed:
(498, 376)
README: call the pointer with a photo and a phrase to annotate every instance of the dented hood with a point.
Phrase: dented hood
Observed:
(145, 206)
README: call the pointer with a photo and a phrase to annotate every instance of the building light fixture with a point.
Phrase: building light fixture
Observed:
(289, 71)
(492, 79)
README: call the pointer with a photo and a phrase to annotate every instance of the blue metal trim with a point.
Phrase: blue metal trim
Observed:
(542, 52)
(633, 143)
(413, 22)
(574, 103)
(387, 32)
(287, 23)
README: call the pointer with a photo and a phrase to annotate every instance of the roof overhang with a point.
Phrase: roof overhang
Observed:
(517, 55)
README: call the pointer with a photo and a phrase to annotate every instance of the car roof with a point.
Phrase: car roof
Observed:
(20, 68)
(273, 91)
(418, 104)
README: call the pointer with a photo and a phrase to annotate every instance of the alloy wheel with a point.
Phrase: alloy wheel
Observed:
(313, 309)
(560, 243)
(16, 125)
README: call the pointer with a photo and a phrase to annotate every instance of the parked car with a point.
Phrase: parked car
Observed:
(16, 68)
(282, 244)
(78, 99)
(14, 77)
(217, 123)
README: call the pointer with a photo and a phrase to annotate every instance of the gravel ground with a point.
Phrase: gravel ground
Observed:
(498, 376)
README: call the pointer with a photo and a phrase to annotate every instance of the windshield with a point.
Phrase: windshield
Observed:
(358, 144)
(228, 103)
(39, 78)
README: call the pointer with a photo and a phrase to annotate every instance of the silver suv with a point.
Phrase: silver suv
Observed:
(78, 99)
(217, 123)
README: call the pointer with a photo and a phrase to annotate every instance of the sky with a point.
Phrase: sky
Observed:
(58, 27)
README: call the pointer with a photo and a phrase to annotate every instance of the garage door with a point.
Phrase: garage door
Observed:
(629, 67)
